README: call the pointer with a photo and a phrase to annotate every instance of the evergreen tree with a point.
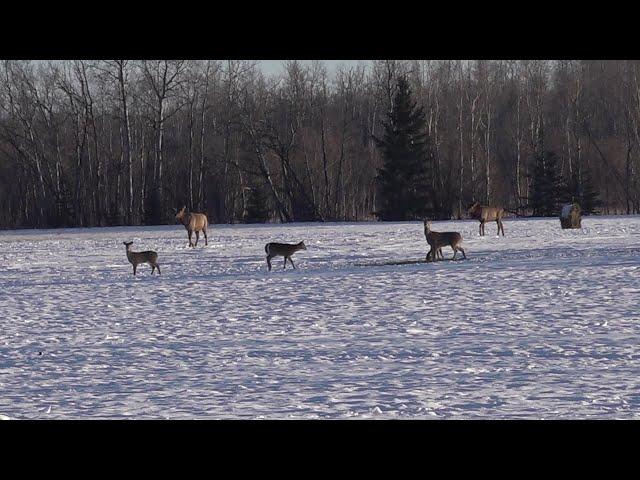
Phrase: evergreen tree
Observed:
(582, 190)
(548, 189)
(152, 208)
(257, 206)
(403, 180)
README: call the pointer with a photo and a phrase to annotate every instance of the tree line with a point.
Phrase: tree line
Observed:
(123, 142)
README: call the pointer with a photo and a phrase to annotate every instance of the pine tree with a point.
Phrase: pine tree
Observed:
(152, 207)
(257, 207)
(403, 180)
(548, 189)
(582, 190)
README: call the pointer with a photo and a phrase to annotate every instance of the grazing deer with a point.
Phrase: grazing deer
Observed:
(437, 240)
(136, 258)
(193, 222)
(282, 249)
(487, 214)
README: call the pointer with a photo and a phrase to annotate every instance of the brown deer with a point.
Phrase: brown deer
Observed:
(136, 258)
(487, 214)
(430, 253)
(437, 240)
(193, 222)
(284, 250)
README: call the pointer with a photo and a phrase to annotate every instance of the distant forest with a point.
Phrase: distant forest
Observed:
(123, 142)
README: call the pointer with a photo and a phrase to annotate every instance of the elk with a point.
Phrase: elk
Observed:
(282, 249)
(487, 214)
(193, 222)
(136, 258)
(437, 240)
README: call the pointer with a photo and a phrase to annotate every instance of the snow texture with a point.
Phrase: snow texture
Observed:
(541, 323)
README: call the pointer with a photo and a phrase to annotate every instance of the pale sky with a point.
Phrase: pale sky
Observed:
(276, 66)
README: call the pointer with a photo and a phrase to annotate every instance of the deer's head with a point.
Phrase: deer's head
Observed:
(473, 209)
(180, 214)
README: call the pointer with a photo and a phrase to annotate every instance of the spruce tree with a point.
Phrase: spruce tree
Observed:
(582, 190)
(403, 180)
(152, 207)
(257, 206)
(548, 189)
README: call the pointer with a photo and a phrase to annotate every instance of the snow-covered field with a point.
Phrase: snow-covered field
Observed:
(543, 323)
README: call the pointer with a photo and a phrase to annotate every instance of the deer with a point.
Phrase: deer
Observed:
(284, 250)
(136, 258)
(437, 240)
(487, 214)
(430, 253)
(193, 222)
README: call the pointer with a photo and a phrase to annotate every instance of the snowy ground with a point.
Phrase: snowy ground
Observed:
(543, 323)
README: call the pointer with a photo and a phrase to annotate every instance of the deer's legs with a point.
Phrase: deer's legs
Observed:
(134, 268)
(500, 227)
(454, 252)
(290, 261)
(158, 267)
(431, 254)
(205, 236)
(285, 263)
(462, 250)
(197, 237)
(190, 243)
(269, 261)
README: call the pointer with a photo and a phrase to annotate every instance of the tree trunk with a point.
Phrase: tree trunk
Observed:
(126, 140)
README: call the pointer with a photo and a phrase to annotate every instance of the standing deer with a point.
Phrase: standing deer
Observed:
(487, 214)
(430, 253)
(282, 249)
(193, 222)
(437, 240)
(136, 258)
